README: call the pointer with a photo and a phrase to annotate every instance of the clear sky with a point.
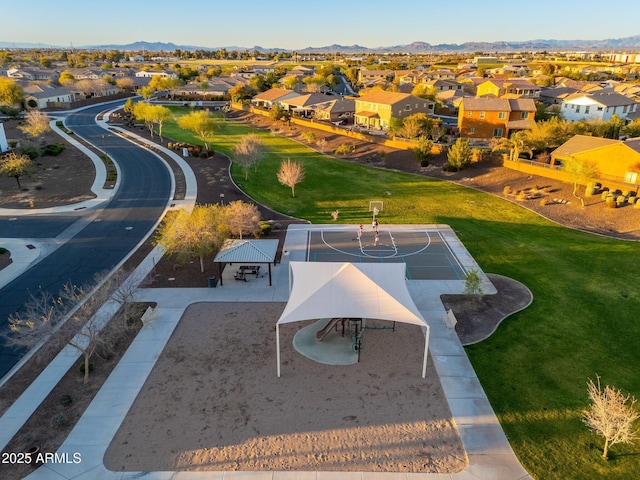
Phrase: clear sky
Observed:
(299, 24)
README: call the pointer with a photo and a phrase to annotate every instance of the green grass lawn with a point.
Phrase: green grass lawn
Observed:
(584, 319)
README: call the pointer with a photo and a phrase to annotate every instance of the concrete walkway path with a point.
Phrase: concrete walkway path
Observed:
(489, 453)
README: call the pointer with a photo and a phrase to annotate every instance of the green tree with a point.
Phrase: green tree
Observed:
(459, 155)
(515, 144)
(196, 234)
(422, 150)
(277, 112)
(290, 83)
(11, 93)
(201, 123)
(633, 129)
(580, 171)
(428, 92)
(126, 84)
(16, 166)
(147, 92)
(290, 174)
(128, 106)
(66, 78)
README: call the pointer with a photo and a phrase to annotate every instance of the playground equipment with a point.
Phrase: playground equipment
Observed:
(355, 326)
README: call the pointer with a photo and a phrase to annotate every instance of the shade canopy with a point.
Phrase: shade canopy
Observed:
(350, 290)
(247, 252)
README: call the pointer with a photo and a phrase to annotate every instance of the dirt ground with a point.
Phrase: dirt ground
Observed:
(57, 180)
(213, 402)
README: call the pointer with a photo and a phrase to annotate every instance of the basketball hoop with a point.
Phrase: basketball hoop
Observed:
(376, 206)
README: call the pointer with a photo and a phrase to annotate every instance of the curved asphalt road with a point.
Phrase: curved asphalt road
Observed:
(144, 192)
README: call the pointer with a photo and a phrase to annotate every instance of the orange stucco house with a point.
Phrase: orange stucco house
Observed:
(487, 117)
(616, 160)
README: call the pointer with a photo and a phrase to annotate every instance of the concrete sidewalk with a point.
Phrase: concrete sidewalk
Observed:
(489, 453)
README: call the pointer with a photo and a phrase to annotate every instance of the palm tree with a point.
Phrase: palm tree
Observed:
(515, 144)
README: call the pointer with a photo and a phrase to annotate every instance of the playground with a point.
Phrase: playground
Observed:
(213, 403)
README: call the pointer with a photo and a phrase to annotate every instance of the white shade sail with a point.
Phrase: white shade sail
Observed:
(350, 290)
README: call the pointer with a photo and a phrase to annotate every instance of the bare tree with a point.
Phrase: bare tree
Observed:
(242, 218)
(611, 415)
(290, 174)
(74, 318)
(247, 152)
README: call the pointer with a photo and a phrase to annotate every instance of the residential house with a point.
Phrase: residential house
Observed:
(513, 86)
(303, 70)
(215, 87)
(155, 73)
(39, 96)
(370, 77)
(273, 96)
(301, 104)
(445, 85)
(615, 160)
(441, 74)
(555, 96)
(597, 106)
(337, 110)
(32, 74)
(488, 117)
(375, 109)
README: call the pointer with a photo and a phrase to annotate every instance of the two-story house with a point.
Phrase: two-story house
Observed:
(375, 109)
(513, 87)
(488, 117)
(600, 105)
(369, 77)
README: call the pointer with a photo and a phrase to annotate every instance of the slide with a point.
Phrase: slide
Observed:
(320, 334)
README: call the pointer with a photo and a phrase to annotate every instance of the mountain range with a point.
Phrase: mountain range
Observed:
(627, 43)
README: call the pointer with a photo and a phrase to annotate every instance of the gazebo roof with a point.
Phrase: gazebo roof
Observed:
(247, 251)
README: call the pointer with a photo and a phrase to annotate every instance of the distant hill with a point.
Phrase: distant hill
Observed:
(627, 43)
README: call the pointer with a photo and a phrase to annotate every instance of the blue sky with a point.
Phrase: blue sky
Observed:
(298, 24)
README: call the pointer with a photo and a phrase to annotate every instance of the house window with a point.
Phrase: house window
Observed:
(624, 110)
(497, 132)
(577, 108)
(469, 113)
(482, 114)
(630, 177)
(587, 108)
(599, 109)
(430, 107)
(502, 115)
(407, 107)
(472, 131)
(524, 115)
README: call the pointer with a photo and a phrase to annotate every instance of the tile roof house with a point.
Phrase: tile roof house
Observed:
(376, 108)
(337, 110)
(616, 160)
(38, 96)
(368, 77)
(600, 105)
(514, 86)
(488, 117)
(273, 96)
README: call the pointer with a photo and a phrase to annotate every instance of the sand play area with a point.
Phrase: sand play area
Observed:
(213, 402)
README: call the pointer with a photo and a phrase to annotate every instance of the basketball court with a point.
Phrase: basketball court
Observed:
(425, 252)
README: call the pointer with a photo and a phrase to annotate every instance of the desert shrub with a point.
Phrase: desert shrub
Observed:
(58, 420)
(29, 149)
(522, 195)
(604, 194)
(3, 250)
(617, 191)
(543, 202)
(52, 149)
(9, 111)
(265, 228)
(424, 163)
(611, 203)
(66, 400)
(621, 200)
(506, 190)
(449, 168)
(637, 204)
(344, 149)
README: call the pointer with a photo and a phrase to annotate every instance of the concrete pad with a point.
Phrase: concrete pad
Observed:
(499, 467)
(461, 387)
(472, 411)
(453, 365)
(484, 440)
